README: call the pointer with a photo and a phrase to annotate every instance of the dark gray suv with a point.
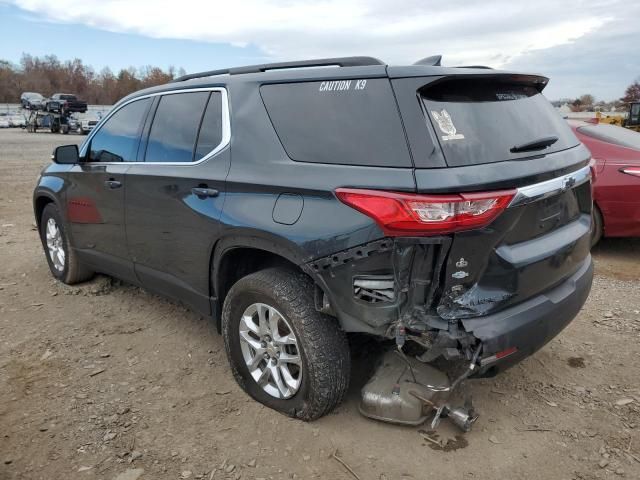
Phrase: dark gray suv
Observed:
(443, 209)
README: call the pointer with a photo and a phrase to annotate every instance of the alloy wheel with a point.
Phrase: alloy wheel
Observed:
(270, 350)
(55, 245)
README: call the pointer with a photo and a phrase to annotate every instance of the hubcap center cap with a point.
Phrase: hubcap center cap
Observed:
(272, 351)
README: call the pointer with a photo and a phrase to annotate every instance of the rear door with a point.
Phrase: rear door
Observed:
(95, 197)
(176, 191)
(496, 132)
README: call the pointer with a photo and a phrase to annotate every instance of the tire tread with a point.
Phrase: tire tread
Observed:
(324, 343)
(75, 271)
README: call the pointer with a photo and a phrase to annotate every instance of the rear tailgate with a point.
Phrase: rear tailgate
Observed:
(536, 243)
(470, 125)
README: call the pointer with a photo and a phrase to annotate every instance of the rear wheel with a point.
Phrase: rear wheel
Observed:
(63, 261)
(597, 227)
(282, 351)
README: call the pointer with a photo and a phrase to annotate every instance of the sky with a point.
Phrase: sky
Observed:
(583, 46)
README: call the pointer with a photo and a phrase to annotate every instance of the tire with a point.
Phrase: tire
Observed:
(321, 345)
(597, 229)
(71, 271)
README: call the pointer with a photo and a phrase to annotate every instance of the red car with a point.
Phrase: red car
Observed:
(616, 151)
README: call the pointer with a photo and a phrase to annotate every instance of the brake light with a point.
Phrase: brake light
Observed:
(412, 214)
(635, 171)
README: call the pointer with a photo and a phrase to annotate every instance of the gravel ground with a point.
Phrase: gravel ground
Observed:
(107, 381)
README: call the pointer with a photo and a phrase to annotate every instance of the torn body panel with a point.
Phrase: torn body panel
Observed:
(392, 288)
(387, 281)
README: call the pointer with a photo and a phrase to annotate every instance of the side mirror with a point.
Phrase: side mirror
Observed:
(66, 155)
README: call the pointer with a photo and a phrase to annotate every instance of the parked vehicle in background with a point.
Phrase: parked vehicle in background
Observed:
(65, 103)
(32, 101)
(4, 121)
(631, 121)
(294, 204)
(85, 125)
(616, 151)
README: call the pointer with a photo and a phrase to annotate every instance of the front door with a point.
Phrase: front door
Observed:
(175, 194)
(96, 195)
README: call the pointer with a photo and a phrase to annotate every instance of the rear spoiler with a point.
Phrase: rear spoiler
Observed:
(537, 81)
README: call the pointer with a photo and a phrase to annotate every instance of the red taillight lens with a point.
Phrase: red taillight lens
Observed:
(410, 214)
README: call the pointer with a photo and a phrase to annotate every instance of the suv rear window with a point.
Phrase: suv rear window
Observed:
(346, 121)
(479, 120)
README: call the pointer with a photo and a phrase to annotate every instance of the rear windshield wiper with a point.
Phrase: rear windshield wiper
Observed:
(539, 144)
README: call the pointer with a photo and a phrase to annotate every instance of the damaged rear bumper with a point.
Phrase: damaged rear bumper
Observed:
(529, 325)
(392, 288)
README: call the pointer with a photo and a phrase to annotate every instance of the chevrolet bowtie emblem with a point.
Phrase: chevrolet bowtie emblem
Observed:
(568, 183)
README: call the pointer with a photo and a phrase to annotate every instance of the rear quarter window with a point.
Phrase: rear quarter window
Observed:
(349, 122)
(174, 130)
(478, 121)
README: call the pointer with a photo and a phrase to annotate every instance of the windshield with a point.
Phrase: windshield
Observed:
(612, 134)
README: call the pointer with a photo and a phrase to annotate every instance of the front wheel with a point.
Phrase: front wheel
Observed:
(63, 261)
(282, 351)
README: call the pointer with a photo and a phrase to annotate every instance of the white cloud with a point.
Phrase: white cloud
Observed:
(400, 31)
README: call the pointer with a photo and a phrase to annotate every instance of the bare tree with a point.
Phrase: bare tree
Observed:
(49, 75)
(632, 93)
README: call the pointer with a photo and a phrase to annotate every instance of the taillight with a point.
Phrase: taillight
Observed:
(411, 214)
(635, 171)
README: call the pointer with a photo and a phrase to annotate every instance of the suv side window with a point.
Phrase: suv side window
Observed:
(117, 140)
(174, 130)
(347, 122)
(210, 134)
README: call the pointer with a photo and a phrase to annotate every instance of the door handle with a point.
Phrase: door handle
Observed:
(112, 184)
(203, 192)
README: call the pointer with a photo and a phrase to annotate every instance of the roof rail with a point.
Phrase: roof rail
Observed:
(322, 62)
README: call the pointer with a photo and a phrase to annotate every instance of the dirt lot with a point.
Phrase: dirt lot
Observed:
(107, 381)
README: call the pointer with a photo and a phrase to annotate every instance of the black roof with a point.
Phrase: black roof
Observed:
(325, 68)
